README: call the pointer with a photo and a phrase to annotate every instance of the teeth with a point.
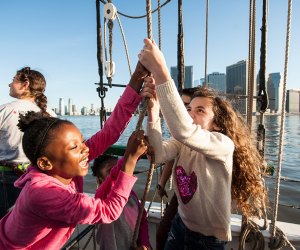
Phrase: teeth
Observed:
(83, 164)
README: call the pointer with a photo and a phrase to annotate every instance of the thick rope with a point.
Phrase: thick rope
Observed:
(180, 50)
(282, 120)
(279, 241)
(138, 127)
(262, 94)
(251, 62)
(101, 89)
(159, 23)
(251, 231)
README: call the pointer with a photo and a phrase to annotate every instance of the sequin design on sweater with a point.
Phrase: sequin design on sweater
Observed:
(187, 185)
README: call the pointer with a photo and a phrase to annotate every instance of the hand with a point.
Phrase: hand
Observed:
(153, 60)
(149, 88)
(138, 76)
(137, 145)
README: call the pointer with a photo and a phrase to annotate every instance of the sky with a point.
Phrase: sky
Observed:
(58, 38)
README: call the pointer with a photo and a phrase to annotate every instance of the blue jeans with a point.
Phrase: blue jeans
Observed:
(180, 237)
(8, 193)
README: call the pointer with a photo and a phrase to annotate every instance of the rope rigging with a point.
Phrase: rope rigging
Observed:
(138, 127)
(251, 60)
(101, 89)
(180, 50)
(275, 231)
(262, 93)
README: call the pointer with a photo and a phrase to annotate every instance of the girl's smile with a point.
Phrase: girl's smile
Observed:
(67, 154)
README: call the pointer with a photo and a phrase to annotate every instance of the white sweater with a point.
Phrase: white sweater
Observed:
(202, 177)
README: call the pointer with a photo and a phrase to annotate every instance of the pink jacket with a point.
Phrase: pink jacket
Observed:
(47, 211)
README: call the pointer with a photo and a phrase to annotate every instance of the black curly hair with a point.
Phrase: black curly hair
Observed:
(39, 130)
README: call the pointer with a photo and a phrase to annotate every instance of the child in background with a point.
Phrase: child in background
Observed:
(119, 234)
(28, 87)
(51, 202)
(217, 163)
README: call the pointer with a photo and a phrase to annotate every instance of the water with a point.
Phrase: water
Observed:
(290, 166)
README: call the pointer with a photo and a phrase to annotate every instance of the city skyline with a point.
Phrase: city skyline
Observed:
(234, 82)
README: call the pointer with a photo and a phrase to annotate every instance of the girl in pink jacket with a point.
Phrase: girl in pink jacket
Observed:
(51, 202)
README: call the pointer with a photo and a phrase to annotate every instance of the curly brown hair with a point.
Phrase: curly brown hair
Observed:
(248, 188)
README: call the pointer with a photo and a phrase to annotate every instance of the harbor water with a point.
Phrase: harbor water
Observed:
(289, 199)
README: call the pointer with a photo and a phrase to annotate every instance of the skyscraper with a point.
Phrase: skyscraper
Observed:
(61, 106)
(237, 85)
(274, 88)
(188, 76)
(293, 101)
(70, 110)
(217, 81)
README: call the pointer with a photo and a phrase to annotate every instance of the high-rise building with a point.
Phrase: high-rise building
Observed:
(293, 101)
(188, 76)
(84, 110)
(217, 81)
(237, 85)
(61, 106)
(274, 89)
(70, 111)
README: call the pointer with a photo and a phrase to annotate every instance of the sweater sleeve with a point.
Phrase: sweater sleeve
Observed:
(115, 124)
(60, 205)
(164, 150)
(213, 144)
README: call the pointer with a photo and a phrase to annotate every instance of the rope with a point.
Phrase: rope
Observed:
(137, 17)
(251, 230)
(159, 23)
(282, 121)
(138, 127)
(262, 96)
(101, 89)
(125, 44)
(280, 240)
(206, 44)
(251, 63)
(180, 50)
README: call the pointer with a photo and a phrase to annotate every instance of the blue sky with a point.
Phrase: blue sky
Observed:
(58, 38)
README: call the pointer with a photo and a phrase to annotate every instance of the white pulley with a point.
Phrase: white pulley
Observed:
(109, 71)
(110, 11)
